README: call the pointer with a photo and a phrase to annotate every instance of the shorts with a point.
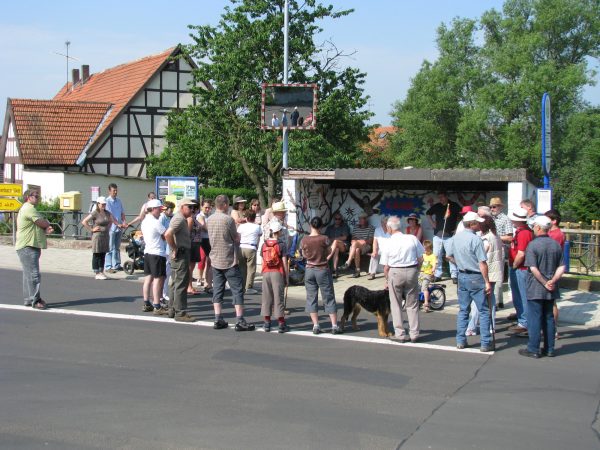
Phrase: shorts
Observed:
(195, 252)
(205, 244)
(425, 280)
(155, 265)
(366, 249)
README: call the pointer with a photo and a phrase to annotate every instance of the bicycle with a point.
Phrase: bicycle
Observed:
(437, 297)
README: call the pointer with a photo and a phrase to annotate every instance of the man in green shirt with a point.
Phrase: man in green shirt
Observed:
(31, 239)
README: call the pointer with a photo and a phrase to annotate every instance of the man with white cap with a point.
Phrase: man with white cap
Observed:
(155, 261)
(504, 230)
(178, 238)
(544, 257)
(470, 258)
(517, 270)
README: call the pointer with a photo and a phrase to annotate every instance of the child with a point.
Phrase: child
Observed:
(274, 277)
(426, 275)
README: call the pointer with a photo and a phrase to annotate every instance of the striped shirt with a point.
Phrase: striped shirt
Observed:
(363, 233)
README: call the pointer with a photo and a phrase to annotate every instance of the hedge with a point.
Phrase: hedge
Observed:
(212, 192)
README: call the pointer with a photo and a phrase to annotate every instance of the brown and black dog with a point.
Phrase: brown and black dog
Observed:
(376, 302)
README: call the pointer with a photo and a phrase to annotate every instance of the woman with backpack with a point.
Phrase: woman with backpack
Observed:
(274, 277)
(316, 248)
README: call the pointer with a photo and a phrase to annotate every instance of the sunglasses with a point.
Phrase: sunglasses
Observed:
(494, 207)
(35, 195)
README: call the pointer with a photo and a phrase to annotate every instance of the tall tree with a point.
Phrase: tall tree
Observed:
(221, 132)
(478, 105)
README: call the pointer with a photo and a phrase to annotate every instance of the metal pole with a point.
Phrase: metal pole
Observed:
(285, 75)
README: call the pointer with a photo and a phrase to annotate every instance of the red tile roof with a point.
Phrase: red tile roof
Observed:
(117, 85)
(53, 132)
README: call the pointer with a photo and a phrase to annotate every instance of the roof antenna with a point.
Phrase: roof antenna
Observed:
(67, 57)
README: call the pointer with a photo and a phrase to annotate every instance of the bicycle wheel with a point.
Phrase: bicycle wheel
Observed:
(437, 298)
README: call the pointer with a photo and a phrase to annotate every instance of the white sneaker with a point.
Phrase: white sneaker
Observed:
(101, 276)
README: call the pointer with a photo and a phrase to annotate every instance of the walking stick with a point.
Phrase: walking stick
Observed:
(285, 293)
(442, 237)
(492, 324)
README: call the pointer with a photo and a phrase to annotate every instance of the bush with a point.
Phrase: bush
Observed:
(211, 193)
(51, 210)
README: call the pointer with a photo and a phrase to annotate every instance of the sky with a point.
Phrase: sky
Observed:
(389, 38)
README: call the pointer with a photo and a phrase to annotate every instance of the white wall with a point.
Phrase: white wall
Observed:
(133, 192)
(51, 183)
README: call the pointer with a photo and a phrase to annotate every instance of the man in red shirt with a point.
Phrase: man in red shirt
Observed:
(517, 269)
(556, 234)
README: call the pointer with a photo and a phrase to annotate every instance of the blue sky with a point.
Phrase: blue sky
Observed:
(391, 39)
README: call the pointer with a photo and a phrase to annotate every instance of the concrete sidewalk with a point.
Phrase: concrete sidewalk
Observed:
(576, 307)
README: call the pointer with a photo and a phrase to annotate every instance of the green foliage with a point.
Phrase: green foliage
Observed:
(50, 209)
(219, 138)
(212, 192)
(479, 103)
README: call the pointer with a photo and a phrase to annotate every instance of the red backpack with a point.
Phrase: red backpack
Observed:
(270, 254)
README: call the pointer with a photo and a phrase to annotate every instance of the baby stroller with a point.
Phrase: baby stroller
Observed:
(296, 262)
(135, 251)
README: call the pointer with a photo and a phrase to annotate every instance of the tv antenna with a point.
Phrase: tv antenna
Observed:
(67, 58)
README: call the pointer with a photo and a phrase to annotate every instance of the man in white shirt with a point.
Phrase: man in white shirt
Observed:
(402, 257)
(250, 233)
(155, 258)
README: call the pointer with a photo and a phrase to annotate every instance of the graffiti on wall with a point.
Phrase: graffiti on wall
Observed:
(311, 199)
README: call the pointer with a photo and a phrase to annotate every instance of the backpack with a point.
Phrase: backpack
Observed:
(270, 255)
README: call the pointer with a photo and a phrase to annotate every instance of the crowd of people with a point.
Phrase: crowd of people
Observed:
(226, 244)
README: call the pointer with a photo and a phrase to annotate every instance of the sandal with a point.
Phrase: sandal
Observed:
(39, 304)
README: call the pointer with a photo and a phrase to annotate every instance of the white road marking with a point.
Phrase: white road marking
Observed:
(200, 323)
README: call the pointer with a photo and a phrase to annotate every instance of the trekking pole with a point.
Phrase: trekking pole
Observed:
(442, 237)
(285, 293)
(492, 324)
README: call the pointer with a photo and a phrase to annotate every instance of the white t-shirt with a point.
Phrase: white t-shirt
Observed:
(152, 230)
(401, 250)
(249, 235)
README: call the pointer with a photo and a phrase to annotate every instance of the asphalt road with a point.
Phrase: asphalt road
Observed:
(69, 381)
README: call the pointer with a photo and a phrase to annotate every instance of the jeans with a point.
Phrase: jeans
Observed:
(518, 289)
(178, 284)
(32, 279)
(315, 278)
(442, 247)
(471, 287)
(234, 276)
(113, 257)
(474, 318)
(541, 320)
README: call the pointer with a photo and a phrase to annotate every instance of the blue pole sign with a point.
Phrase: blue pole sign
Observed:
(546, 139)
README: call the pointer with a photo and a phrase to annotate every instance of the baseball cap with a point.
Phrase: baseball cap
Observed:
(466, 209)
(187, 201)
(472, 217)
(542, 221)
(154, 203)
(101, 200)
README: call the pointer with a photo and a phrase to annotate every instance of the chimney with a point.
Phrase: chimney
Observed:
(75, 79)
(85, 73)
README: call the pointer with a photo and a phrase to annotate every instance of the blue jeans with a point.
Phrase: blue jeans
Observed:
(234, 276)
(442, 247)
(113, 257)
(471, 287)
(32, 279)
(518, 289)
(474, 318)
(541, 320)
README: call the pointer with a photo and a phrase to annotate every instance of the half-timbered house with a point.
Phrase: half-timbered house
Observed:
(104, 124)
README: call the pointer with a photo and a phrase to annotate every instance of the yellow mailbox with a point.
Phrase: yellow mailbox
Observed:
(70, 201)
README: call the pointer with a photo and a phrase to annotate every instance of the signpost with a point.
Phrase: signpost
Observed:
(11, 190)
(546, 139)
(9, 202)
